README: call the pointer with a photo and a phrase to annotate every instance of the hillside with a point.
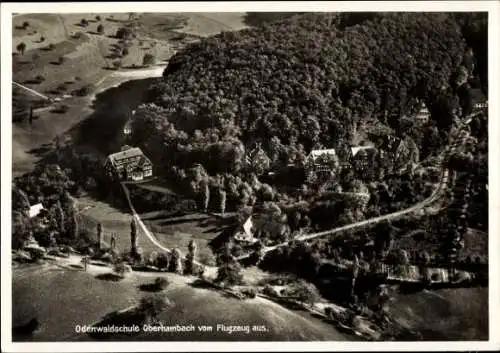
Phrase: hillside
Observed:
(61, 299)
(309, 81)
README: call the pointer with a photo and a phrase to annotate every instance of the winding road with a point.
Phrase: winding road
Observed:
(456, 138)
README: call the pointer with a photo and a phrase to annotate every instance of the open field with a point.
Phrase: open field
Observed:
(207, 24)
(446, 314)
(84, 64)
(62, 299)
(114, 221)
(177, 232)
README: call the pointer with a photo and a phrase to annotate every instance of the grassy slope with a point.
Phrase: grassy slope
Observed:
(178, 232)
(83, 58)
(447, 314)
(62, 299)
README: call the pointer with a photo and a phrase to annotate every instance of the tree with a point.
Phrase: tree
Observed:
(21, 47)
(60, 61)
(191, 258)
(162, 261)
(120, 269)
(74, 231)
(133, 237)
(176, 262)
(125, 51)
(306, 292)
(151, 306)
(99, 235)
(117, 64)
(60, 218)
(206, 197)
(42, 39)
(100, 29)
(124, 33)
(229, 270)
(148, 59)
(161, 283)
(98, 18)
(84, 22)
(26, 24)
(222, 206)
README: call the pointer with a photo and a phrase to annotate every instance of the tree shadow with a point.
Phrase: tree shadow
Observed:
(201, 284)
(31, 82)
(24, 332)
(222, 238)
(40, 150)
(112, 277)
(149, 287)
(123, 318)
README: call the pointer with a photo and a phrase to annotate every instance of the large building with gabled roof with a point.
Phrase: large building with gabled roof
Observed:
(130, 164)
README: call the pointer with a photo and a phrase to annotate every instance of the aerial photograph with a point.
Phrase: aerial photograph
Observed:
(249, 176)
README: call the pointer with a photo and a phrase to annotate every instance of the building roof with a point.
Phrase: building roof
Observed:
(128, 153)
(316, 153)
(256, 151)
(247, 226)
(128, 125)
(35, 210)
(477, 95)
(356, 149)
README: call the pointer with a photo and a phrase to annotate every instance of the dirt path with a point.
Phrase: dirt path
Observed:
(32, 91)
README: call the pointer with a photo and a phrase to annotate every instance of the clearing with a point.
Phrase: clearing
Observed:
(445, 314)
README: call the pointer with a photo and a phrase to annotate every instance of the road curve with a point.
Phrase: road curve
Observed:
(391, 216)
(210, 271)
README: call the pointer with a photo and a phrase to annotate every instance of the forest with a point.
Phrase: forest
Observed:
(305, 81)
(308, 81)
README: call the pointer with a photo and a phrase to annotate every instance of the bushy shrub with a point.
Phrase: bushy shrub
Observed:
(162, 261)
(124, 33)
(121, 269)
(63, 108)
(151, 306)
(270, 291)
(83, 91)
(249, 292)
(100, 29)
(39, 78)
(148, 59)
(161, 283)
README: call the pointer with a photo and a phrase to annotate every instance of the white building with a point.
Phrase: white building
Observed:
(35, 210)
(245, 232)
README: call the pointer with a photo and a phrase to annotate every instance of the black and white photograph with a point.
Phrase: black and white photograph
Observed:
(247, 175)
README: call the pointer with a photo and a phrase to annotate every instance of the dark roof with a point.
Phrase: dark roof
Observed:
(477, 95)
